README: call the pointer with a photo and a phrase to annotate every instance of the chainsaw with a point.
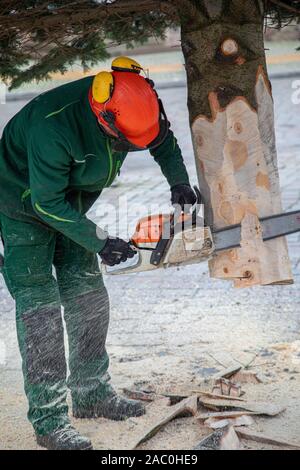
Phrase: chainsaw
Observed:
(166, 240)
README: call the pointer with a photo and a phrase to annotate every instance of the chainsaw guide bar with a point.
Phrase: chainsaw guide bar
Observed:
(193, 244)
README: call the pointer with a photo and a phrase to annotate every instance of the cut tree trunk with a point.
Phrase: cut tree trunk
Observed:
(231, 114)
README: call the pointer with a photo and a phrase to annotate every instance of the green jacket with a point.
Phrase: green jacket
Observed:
(55, 160)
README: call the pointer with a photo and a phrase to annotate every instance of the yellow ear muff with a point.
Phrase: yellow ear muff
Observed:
(102, 87)
(126, 64)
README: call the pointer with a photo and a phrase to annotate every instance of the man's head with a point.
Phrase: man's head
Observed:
(127, 106)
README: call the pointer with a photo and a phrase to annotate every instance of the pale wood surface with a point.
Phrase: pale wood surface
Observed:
(262, 438)
(269, 409)
(237, 168)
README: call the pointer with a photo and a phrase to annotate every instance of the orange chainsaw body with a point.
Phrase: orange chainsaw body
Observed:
(149, 230)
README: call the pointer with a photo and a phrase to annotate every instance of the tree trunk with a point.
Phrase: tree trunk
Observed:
(231, 114)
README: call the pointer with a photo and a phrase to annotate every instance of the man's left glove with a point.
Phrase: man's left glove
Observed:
(116, 251)
(183, 195)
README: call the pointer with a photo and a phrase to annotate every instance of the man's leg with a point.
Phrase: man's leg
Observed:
(86, 306)
(28, 252)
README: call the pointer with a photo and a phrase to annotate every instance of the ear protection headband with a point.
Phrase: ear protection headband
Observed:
(103, 83)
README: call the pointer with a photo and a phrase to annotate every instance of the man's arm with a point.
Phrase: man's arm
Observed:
(169, 157)
(49, 170)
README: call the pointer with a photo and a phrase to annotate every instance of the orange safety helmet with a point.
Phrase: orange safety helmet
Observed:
(127, 106)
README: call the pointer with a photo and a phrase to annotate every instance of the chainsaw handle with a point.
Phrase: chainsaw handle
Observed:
(175, 220)
(198, 195)
(199, 203)
(122, 267)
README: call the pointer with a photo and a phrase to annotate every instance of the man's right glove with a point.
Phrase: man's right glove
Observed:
(116, 251)
(183, 195)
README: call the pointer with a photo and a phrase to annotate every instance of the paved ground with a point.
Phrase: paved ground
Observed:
(171, 328)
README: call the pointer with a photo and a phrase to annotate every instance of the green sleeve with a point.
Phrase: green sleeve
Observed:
(169, 157)
(49, 170)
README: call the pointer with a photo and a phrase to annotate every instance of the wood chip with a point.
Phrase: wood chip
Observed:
(226, 387)
(227, 373)
(247, 377)
(139, 395)
(269, 409)
(224, 373)
(216, 423)
(257, 437)
(223, 414)
(184, 408)
(222, 439)
(214, 395)
(224, 359)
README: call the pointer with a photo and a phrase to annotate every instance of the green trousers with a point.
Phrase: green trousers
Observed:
(31, 253)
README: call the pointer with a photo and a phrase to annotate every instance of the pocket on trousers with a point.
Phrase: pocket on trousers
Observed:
(28, 255)
(26, 234)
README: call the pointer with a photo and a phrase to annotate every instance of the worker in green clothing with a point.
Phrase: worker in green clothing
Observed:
(56, 156)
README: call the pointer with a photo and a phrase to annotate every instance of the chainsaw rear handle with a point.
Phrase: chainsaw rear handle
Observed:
(162, 245)
(198, 195)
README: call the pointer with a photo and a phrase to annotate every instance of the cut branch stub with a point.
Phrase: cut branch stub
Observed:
(229, 47)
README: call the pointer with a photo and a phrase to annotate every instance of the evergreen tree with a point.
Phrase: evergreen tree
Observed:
(39, 37)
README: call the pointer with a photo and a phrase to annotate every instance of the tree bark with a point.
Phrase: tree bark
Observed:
(231, 115)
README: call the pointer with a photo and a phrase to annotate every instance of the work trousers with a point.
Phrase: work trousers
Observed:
(45, 271)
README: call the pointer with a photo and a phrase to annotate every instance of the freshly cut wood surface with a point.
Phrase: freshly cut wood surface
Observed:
(237, 168)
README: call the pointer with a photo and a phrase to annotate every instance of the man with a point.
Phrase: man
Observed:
(56, 156)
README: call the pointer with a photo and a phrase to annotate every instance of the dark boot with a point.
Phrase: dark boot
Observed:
(65, 438)
(113, 407)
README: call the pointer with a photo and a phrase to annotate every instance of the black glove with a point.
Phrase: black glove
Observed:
(182, 194)
(116, 251)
